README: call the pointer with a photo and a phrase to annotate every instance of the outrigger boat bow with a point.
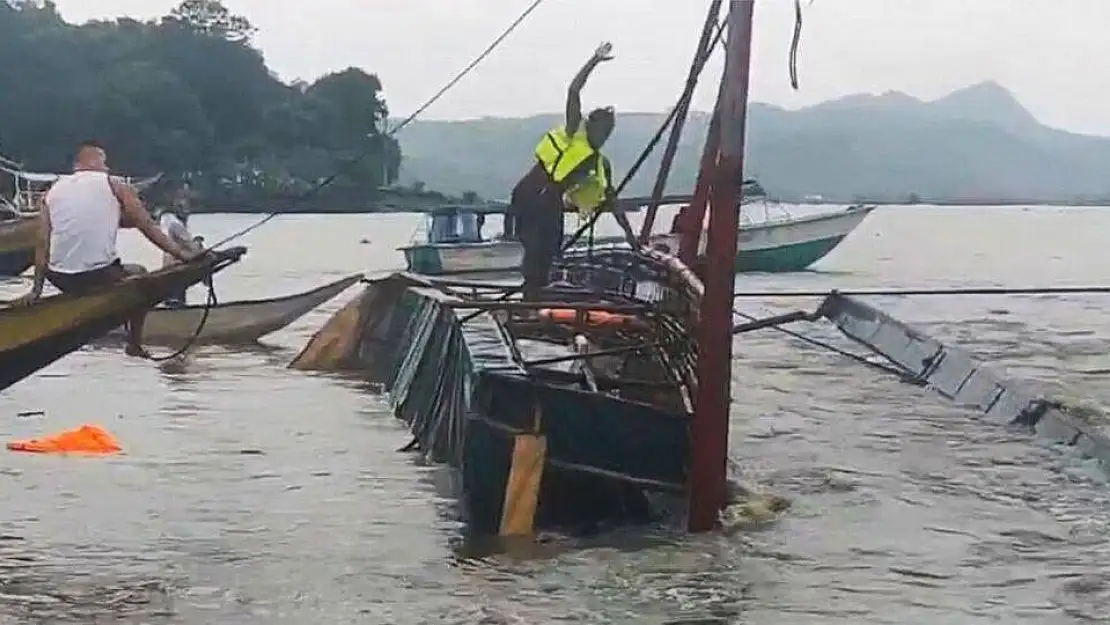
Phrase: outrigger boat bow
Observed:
(956, 374)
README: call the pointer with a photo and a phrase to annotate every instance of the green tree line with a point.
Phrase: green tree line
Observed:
(188, 95)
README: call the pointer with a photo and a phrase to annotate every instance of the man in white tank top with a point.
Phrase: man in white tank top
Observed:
(76, 248)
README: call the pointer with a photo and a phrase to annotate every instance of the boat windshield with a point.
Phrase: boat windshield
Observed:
(455, 227)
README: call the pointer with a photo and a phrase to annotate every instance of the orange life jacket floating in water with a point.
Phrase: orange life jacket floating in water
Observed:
(87, 439)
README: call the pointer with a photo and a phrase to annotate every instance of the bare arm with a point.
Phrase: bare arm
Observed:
(574, 96)
(42, 251)
(136, 214)
(574, 92)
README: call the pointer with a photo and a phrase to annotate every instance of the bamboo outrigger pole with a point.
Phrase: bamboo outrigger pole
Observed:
(708, 488)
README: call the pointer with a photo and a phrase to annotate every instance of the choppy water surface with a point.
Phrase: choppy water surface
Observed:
(254, 494)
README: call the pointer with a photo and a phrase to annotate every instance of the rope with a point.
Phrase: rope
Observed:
(1051, 290)
(589, 225)
(646, 152)
(794, 43)
(827, 346)
(209, 303)
(640, 160)
(466, 70)
(706, 42)
(365, 153)
(342, 169)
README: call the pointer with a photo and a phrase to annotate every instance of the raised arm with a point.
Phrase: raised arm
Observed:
(136, 215)
(603, 53)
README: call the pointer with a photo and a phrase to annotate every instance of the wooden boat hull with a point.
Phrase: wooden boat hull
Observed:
(531, 448)
(234, 323)
(17, 245)
(32, 337)
(777, 246)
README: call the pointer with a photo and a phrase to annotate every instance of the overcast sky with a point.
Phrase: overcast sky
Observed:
(1051, 53)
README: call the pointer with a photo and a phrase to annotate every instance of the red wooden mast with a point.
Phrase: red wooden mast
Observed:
(719, 180)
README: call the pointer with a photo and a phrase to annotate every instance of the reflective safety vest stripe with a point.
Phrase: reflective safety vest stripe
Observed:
(580, 171)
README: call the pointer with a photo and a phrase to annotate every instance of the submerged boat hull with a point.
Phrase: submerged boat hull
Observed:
(968, 381)
(32, 337)
(234, 323)
(533, 449)
(774, 247)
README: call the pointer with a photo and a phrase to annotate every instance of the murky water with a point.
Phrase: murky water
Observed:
(254, 494)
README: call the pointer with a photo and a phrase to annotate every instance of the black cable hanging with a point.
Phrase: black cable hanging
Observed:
(794, 43)
(345, 167)
(211, 300)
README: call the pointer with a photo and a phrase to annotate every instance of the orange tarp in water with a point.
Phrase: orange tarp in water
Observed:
(87, 439)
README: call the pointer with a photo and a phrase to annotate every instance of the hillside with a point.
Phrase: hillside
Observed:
(978, 143)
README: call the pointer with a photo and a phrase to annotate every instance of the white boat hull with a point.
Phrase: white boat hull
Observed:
(779, 245)
(785, 245)
(446, 259)
(234, 323)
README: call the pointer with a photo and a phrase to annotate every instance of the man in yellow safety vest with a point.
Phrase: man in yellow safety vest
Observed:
(569, 173)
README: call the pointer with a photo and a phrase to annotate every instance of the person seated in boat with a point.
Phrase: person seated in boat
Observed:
(174, 223)
(569, 172)
(76, 246)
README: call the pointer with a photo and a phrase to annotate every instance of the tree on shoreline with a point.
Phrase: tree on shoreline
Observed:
(210, 18)
(187, 94)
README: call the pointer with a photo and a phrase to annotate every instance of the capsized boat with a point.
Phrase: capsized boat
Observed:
(32, 337)
(554, 414)
(234, 323)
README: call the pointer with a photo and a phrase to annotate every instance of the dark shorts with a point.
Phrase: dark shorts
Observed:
(87, 281)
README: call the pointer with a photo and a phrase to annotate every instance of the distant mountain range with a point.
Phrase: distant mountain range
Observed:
(978, 144)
